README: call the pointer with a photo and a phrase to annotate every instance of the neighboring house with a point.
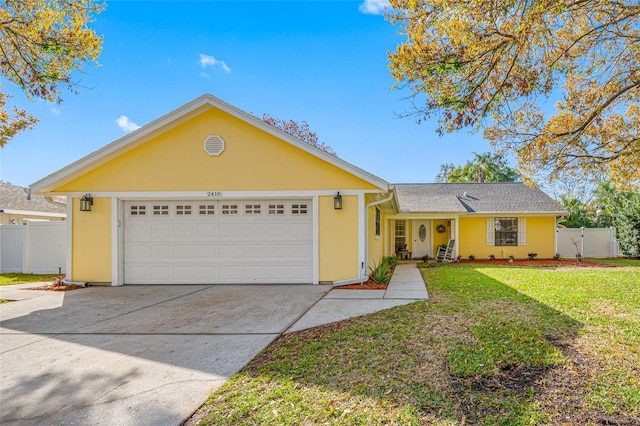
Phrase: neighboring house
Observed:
(211, 194)
(16, 206)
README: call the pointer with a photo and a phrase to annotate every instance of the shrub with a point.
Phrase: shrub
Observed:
(472, 257)
(492, 257)
(390, 260)
(532, 255)
(380, 273)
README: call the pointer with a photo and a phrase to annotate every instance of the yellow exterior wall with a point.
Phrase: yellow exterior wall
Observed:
(540, 236)
(338, 239)
(438, 238)
(253, 160)
(91, 242)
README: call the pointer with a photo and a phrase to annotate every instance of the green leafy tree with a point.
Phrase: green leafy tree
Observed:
(622, 210)
(494, 64)
(41, 43)
(579, 215)
(486, 167)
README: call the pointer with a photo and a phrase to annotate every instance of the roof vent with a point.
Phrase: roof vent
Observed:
(214, 145)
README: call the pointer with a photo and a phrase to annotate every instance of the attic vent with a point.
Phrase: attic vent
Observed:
(214, 145)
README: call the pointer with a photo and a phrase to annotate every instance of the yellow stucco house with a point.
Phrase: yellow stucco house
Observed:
(210, 194)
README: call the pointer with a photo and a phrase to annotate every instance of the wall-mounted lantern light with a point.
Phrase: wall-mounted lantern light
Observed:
(86, 202)
(337, 201)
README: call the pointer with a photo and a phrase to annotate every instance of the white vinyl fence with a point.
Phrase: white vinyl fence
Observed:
(33, 248)
(589, 242)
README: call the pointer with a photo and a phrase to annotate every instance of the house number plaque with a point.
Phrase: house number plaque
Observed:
(214, 193)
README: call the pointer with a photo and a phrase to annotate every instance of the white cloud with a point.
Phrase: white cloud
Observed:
(209, 61)
(56, 111)
(374, 7)
(126, 125)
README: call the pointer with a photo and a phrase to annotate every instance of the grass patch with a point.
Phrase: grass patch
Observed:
(17, 278)
(622, 261)
(540, 346)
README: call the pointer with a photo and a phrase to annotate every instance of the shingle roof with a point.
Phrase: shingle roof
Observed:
(474, 198)
(14, 197)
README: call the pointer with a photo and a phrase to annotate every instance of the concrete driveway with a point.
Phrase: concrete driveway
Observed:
(135, 354)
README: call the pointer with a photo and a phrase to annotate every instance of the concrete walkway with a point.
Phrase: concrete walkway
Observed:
(406, 286)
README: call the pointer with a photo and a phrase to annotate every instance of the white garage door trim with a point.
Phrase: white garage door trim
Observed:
(218, 241)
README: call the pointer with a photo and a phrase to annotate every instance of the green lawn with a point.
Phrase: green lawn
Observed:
(16, 278)
(493, 345)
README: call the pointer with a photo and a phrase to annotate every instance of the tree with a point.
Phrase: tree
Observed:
(484, 167)
(620, 209)
(494, 64)
(579, 215)
(298, 130)
(41, 43)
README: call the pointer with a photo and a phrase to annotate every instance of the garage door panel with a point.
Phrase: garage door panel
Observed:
(161, 231)
(209, 242)
(208, 251)
(183, 252)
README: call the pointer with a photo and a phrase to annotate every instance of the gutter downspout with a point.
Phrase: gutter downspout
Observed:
(366, 232)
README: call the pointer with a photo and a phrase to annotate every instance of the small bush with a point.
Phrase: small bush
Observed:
(492, 257)
(390, 260)
(556, 256)
(380, 273)
(472, 257)
(532, 255)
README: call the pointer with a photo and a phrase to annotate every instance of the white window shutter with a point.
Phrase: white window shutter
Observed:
(522, 231)
(491, 234)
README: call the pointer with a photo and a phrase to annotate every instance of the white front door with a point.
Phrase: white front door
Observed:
(421, 237)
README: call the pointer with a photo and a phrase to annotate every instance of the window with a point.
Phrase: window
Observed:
(252, 209)
(506, 231)
(183, 210)
(400, 235)
(138, 210)
(299, 209)
(207, 209)
(377, 221)
(160, 210)
(276, 208)
(229, 209)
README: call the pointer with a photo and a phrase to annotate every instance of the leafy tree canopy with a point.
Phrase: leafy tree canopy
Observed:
(486, 167)
(41, 43)
(494, 64)
(298, 130)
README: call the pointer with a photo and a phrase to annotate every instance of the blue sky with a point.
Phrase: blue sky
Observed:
(320, 61)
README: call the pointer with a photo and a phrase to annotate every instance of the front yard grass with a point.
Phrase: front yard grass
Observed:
(493, 345)
(17, 278)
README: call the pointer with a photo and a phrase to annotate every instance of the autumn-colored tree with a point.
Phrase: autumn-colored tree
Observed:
(486, 167)
(500, 64)
(41, 43)
(298, 130)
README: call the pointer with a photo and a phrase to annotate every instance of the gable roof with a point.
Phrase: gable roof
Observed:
(475, 198)
(14, 199)
(176, 117)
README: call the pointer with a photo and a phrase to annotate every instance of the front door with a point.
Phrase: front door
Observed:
(421, 236)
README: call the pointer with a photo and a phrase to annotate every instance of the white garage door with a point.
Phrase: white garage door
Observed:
(218, 242)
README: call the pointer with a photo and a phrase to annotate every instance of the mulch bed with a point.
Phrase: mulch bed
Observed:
(367, 285)
(539, 262)
(56, 287)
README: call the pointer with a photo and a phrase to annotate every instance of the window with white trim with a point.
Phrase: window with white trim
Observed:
(207, 209)
(161, 210)
(299, 209)
(183, 210)
(138, 210)
(229, 209)
(276, 209)
(400, 235)
(377, 221)
(252, 209)
(506, 231)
